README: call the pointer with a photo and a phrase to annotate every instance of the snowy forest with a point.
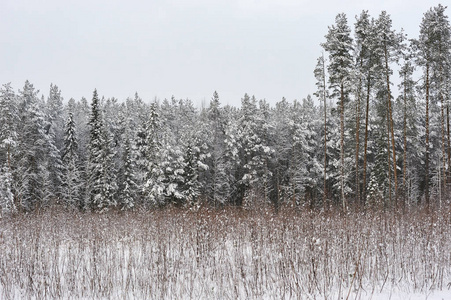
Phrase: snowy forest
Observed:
(344, 194)
(376, 133)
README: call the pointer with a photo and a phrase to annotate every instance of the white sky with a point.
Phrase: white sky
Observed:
(185, 48)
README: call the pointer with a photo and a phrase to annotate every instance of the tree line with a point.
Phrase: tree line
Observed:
(353, 144)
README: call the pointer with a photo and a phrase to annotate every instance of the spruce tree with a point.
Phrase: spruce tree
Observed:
(54, 129)
(71, 190)
(157, 159)
(7, 204)
(306, 163)
(8, 124)
(8, 142)
(254, 153)
(127, 187)
(217, 184)
(31, 176)
(102, 186)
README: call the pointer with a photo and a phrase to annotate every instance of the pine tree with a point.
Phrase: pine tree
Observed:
(389, 47)
(363, 35)
(370, 70)
(322, 94)
(433, 52)
(407, 104)
(442, 76)
(339, 46)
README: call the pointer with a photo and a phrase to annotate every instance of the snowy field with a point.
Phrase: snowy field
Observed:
(230, 254)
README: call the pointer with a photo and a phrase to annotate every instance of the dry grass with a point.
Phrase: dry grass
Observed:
(223, 254)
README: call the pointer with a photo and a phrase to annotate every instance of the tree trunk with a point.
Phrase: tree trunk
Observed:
(427, 138)
(448, 137)
(390, 113)
(325, 135)
(9, 157)
(357, 141)
(342, 127)
(365, 147)
(404, 165)
(389, 159)
(442, 121)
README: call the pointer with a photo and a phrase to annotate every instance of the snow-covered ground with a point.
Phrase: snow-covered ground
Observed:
(400, 295)
(174, 254)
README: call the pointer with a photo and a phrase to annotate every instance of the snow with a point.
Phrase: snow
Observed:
(399, 295)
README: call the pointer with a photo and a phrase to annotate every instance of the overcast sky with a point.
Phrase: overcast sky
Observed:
(185, 48)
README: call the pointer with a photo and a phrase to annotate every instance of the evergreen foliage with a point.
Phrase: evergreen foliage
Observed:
(359, 142)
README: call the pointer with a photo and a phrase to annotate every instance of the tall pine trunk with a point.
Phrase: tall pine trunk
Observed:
(426, 177)
(365, 144)
(388, 160)
(448, 138)
(442, 125)
(342, 154)
(325, 136)
(404, 165)
(390, 115)
(357, 140)
(442, 119)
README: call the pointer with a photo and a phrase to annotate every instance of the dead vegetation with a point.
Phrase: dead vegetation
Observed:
(223, 254)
